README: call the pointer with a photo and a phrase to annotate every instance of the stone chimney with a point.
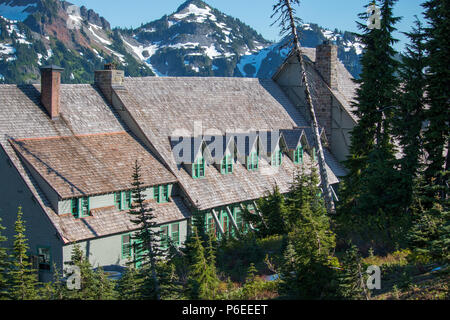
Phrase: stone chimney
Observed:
(108, 79)
(326, 63)
(50, 89)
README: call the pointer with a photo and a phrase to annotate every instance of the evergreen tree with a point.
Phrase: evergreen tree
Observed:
(373, 182)
(129, 285)
(202, 280)
(437, 13)
(351, 279)
(409, 116)
(273, 215)
(4, 266)
(23, 279)
(307, 271)
(94, 284)
(56, 289)
(146, 240)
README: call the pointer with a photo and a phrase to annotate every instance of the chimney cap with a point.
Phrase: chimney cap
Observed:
(52, 67)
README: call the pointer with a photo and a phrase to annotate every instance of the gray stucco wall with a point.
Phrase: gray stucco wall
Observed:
(39, 230)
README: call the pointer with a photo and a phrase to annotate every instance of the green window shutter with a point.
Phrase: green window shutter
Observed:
(126, 246)
(127, 200)
(156, 194)
(175, 233)
(226, 166)
(165, 193)
(223, 166)
(75, 208)
(118, 200)
(199, 168)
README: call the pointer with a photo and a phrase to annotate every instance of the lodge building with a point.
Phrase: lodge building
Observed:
(206, 145)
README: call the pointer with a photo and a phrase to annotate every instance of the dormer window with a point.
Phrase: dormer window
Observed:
(252, 161)
(161, 194)
(198, 168)
(80, 211)
(298, 155)
(226, 166)
(277, 158)
(122, 200)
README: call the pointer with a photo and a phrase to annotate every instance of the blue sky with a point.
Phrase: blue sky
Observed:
(340, 14)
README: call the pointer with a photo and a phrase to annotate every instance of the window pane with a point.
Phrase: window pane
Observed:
(85, 207)
(75, 208)
(44, 258)
(118, 200)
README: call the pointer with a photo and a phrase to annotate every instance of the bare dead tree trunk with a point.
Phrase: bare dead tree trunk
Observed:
(328, 196)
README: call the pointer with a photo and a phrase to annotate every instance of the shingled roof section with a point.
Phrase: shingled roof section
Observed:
(162, 106)
(91, 164)
(83, 111)
(108, 220)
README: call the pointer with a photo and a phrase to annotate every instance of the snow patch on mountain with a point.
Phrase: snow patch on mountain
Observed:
(201, 15)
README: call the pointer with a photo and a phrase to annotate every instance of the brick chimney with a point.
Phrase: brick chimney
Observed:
(108, 79)
(50, 89)
(326, 63)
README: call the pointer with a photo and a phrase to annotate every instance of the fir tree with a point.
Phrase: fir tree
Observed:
(94, 284)
(288, 272)
(202, 280)
(409, 116)
(273, 214)
(56, 289)
(23, 279)
(437, 13)
(129, 285)
(351, 279)
(146, 240)
(4, 266)
(373, 183)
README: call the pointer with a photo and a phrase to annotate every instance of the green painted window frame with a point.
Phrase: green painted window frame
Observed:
(253, 161)
(127, 250)
(198, 168)
(298, 155)
(161, 193)
(226, 165)
(84, 214)
(210, 224)
(49, 263)
(127, 200)
(75, 207)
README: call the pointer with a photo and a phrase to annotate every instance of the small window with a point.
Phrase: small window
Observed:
(44, 258)
(156, 193)
(128, 199)
(165, 194)
(118, 200)
(226, 166)
(126, 246)
(84, 207)
(161, 194)
(175, 235)
(199, 168)
(75, 208)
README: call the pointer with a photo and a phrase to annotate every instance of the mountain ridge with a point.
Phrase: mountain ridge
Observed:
(194, 40)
